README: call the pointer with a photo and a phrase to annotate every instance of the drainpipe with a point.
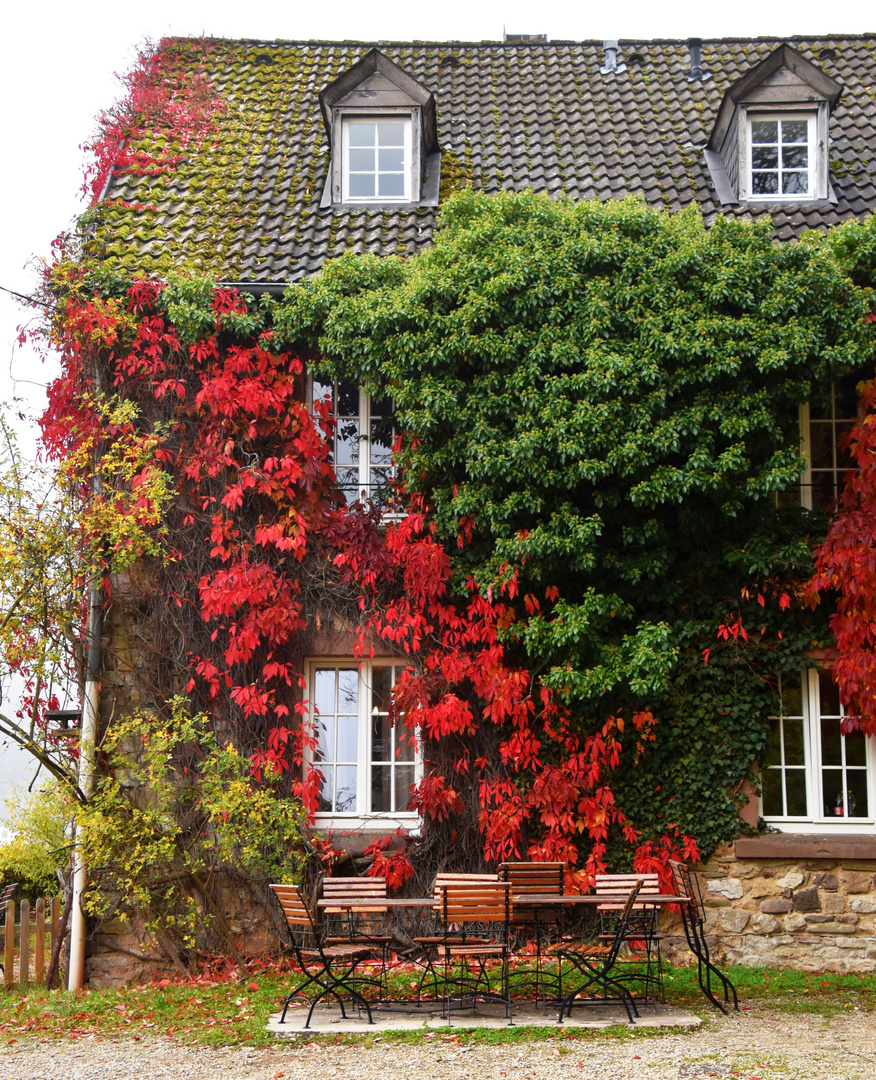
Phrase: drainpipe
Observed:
(87, 754)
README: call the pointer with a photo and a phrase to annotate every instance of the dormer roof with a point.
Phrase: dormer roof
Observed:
(785, 76)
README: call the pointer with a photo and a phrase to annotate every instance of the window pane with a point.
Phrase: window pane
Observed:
(381, 789)
(856, 749)
(381, 739)
(844, 459)
(362, 160)
(795, 183)
(348, 738)
(347, 443)
(794, 748)
(381, 442)
(795, 157)
(795, 131)
(321, 390)
(348, 398)
(765, 157)
(348, 691)
(823, 492)
(792, 695)
(771, 781)
(831, 742)
(404, 744)
(324, 730)
(391, 160)
(821, 445)
(829, 694)
(345, 801)
(324, 690)
(795, 785)
(764, 183)
(832, 789)
(391, 185)
(774, 748)
(361, 134)
(362, 185)
(381, 684)
(404, 781)
(764, 131)
(391, 134)
(856, 793)
(325, 801)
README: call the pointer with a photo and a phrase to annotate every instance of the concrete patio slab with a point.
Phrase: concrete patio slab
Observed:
(328, 1019)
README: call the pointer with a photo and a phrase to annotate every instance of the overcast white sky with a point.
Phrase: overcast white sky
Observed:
(58, 59)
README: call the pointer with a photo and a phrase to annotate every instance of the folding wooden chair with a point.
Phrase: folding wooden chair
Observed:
(328, 970)
(597, 962)
(643, 935)
(530, 878)
(693, 916)
(428, 943)
(476, 921)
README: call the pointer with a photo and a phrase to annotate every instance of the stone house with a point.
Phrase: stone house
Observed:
(325, 147)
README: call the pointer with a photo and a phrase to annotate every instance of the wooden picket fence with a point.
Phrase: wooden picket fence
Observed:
(29, 964)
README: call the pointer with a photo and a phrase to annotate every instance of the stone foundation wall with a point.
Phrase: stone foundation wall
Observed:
(811, 914)
(122, 953)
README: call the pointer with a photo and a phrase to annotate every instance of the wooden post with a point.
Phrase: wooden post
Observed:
(9, 950)
(24, 946)
(39, 949)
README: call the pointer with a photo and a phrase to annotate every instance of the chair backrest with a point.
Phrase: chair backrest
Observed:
(295, 909)
(687, 885)
(472, 901)
(621, 883)
(6, 895)
(533, 877)
(442, 879)
(354, 888)
(627, 909)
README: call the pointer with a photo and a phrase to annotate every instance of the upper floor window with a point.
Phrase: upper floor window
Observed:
(770, 139)
(383, 138)
(377, 160)
(812, 772)
(362, 440)
(366, 764)
(782, 156)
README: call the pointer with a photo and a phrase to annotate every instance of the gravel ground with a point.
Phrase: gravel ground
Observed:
(754, 1045)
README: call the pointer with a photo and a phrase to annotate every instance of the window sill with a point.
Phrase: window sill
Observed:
(835, 845)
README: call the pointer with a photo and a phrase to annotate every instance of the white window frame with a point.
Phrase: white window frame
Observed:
(349, 121)
(361, 816)
(366, 468)
(818, 819)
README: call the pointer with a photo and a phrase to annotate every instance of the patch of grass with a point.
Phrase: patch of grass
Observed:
(220, 1012)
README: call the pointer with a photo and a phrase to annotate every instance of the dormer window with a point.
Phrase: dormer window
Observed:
(769, 143)
(377, 160)
(782, 155)
(381, 128)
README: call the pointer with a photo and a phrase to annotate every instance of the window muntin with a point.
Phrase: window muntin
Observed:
(362, 439)
(366, 763)
(781, 151)
(812, 772)
(377, 160)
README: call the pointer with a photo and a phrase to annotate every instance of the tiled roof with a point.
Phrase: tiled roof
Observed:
(244, 204)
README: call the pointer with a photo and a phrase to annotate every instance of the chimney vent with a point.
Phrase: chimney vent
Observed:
(611, 66)
(695, 58)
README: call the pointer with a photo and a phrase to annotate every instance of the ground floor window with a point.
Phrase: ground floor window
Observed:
(367, 764)
(812, 772)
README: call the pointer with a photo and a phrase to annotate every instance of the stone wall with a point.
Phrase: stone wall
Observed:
(814, 914)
